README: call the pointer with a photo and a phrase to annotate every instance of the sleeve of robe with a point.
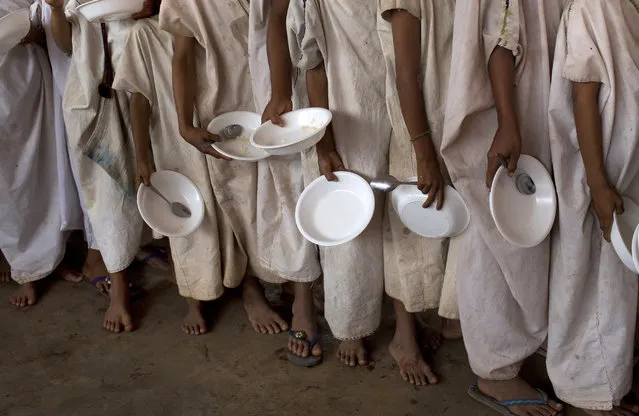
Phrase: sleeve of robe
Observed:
(501, 25)
(133, 75)
(306, 34)
(174, 19)
(584, 60)
(411, 6)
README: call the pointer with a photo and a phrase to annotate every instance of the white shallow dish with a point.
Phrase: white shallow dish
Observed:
(157, 213)
(333, 213)
(450, 221)
(302, 130)
(635, 252)
(623, 233)
(524, 220)
(13, 28)
(110, 10)
(241, 147)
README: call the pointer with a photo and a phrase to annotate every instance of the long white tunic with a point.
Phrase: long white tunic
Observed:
(593, 297)
(30, 218)
(343, 37)
(415, 268)
(100, 142)
(502, 290)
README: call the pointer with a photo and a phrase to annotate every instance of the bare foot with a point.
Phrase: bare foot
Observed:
(69, 275)
(153, 257)
(25, 296)
(263, 319)
(194, 322)
(118, 317)
(516, 389)
(431, 338)
(95, 268)
(304, 320)
(451, 329)
(352, 352)
(405, 348)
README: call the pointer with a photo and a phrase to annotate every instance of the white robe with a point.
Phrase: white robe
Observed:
(343, 37)
(502, 289)
(74, 214)
(145, 68)
(224, 85)
(106, 177)
(31, 236)
(281, 247)
(415, 268)
(593, 297)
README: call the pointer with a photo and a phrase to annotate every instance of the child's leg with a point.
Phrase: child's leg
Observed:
(118, 315)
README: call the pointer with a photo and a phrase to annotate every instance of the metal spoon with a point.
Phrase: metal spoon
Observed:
(523, 181)
(388, 183)
(231, 132)
(178, 209)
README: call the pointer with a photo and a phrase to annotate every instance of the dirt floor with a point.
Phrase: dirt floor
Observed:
(55, 359)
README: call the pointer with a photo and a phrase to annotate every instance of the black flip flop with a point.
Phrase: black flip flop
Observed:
(311, 360)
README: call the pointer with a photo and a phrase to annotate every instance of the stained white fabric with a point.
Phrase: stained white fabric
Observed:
(343, 37)
(415, 267)
(224, 85)
(502, 289)
(281, 247)
(30, 218)
(110, 202)
(593, 297)
(145, 68)
(74, 217)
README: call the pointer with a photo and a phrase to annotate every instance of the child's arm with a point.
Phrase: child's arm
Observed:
(140, 125)
(507, 141)
(184, 86)
(606, 200)
(279, 60)
(407, 42)
(327, 156)
(60, 26)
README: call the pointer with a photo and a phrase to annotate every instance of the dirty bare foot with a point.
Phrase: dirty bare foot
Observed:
(194, 322)
(95, 271)
(69, 275)
(431, 338)
(451, 329)
(154, 258)
(304, 320)
(117, 317)
(263, 319)
(25, 296)
(517, 389)
(405, 349)
(353, 352)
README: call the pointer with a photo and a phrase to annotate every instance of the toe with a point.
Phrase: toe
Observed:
(555, 405)
(421, 380)
(304, 349)
(430, 375)
(404, 375)
(411, 378)
(282, 325)
(317, 350)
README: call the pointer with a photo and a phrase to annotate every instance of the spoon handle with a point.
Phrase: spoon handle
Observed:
(159, 194)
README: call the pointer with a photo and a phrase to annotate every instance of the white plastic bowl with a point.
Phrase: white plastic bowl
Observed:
(524, 220)
(635, 252)
(110, 10)
(157, 213)
(450, 221)
(333, 213)
(623, 233)
(302, 130)
(13, 28)
(241, 147)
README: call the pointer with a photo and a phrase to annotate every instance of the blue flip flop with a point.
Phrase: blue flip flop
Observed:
(134, 291)
(311, 360)
(501, 407)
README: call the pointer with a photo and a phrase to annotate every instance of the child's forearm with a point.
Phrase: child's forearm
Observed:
(589, 135)
(61, 29)
(140, 124)
(317, 86)
(501, 67)
(279, 58)
(184, 81)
